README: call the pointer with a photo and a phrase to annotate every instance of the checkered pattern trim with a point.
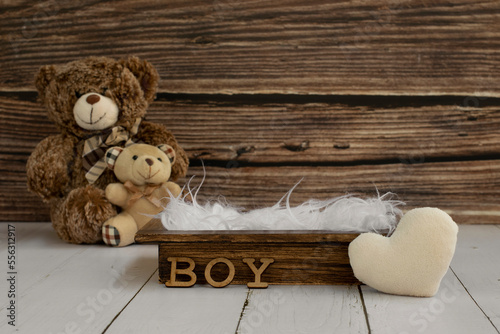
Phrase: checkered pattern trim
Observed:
(170, 154)
(110, 235)
(111, 156)
(169, 151)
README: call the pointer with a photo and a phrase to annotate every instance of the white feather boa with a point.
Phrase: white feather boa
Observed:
(340, 214)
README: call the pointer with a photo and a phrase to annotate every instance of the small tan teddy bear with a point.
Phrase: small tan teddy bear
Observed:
(144, 171)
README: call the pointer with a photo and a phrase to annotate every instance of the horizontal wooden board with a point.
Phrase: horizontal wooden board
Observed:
(155, 232)
(376, 47)
(315, 130)
(310, 130)
(468, 190)
(255, 150)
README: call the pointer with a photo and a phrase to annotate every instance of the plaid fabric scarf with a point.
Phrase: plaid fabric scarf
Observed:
(95, 147)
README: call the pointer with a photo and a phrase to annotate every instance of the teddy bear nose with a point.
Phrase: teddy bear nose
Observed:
(91, 99)
(149, 162)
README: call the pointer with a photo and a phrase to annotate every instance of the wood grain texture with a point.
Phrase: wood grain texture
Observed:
(73, 297)
(55, 278)
(293, 257)
(303, 263)
(304, 309)
(468, 190)
(154, 232)
(472, 260)
(309, 130)
(350, 147)
(318, 130)
(451, 310)
(361, 93)
(197, 310)
(377, 47)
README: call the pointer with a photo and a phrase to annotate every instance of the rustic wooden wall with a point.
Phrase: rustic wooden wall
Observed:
(350, 96)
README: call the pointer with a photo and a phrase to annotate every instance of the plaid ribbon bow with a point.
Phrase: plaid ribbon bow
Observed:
(137, 194)
(95, 148)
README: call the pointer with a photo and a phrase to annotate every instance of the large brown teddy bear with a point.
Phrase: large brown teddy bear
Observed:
(96, 103)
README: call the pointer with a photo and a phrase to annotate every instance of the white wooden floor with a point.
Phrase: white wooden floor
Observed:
(63, 288)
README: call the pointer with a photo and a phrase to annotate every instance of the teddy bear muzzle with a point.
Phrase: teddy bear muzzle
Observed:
(94, 111)
(151, 170)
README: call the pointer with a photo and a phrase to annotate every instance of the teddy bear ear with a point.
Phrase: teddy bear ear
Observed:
(44, 76)
(169, 151)
(111, 156)
(145, 73)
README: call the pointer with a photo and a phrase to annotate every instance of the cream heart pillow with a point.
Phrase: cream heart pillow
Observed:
(413, 260)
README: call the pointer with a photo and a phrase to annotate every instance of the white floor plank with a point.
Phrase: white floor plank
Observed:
(66, 288)
(38, 251)
(304, 309)
(477, 265)
(450, 311)
(200, 309)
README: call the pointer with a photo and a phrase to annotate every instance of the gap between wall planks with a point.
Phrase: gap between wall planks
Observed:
(397, 95)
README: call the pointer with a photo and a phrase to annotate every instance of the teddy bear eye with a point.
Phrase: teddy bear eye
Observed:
(159, 159)
(104, 90)
(135, 157)
(78, 94)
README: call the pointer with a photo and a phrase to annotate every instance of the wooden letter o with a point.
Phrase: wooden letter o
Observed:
(225, 282)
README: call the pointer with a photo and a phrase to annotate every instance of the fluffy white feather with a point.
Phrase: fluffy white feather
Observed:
(340, 214)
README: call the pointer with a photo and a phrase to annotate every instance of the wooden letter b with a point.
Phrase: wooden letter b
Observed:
(174, 271)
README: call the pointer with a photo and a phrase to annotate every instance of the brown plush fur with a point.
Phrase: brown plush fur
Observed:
(54, 169)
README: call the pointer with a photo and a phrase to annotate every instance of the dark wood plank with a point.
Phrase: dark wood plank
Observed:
(154, 232)
(245, 130)
(294, 257)
(468, 190)
(409, 150)
(377, 47)
(320, 130)
(318, 263)
(19, 205)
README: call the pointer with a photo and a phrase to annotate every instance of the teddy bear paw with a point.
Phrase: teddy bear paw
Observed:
(110, 235)
(79, 217)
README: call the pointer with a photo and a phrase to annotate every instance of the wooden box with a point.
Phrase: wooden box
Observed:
(255, 258)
